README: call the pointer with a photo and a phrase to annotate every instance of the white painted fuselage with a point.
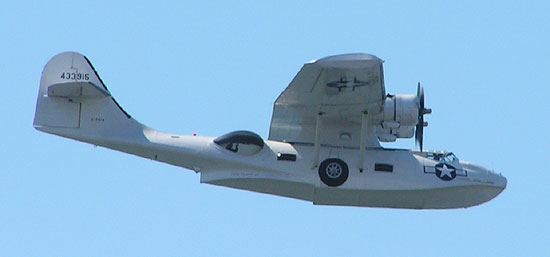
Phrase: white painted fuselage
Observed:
(411, 184)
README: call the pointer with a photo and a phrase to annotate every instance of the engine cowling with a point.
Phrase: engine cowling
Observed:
(400, 116)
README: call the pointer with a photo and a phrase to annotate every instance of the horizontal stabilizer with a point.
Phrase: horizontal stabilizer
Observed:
(76, 90)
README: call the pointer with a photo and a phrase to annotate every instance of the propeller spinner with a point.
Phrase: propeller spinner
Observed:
(419, 133)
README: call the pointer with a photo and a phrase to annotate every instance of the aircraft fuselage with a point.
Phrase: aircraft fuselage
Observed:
(390, 178)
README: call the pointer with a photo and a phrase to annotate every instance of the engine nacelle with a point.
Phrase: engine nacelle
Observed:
(400, 117)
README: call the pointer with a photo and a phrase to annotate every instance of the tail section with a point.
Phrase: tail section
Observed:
(73, 102)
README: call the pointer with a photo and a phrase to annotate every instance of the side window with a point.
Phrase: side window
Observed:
(383, 167)
(286, 157)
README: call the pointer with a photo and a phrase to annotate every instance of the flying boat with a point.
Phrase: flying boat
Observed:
(323, 145)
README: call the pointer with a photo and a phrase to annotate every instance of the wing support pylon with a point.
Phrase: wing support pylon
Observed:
(362, 144)
(317, 140)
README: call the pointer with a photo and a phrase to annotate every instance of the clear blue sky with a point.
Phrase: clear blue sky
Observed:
(176, 67)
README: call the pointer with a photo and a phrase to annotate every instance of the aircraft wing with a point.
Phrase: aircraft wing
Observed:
(327, 99)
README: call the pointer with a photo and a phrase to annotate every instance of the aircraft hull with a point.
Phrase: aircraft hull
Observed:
(438, 198)
(410, 185)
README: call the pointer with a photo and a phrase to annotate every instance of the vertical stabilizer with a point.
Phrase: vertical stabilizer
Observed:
(73, 102)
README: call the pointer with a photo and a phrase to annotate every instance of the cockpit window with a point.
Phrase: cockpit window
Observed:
(442, 157)
(241, 142)
(450, 157)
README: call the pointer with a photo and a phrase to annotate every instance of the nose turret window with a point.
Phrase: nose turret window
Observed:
(241, 142)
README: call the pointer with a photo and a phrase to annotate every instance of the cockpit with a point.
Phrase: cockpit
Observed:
(448, 157)
(241, 142)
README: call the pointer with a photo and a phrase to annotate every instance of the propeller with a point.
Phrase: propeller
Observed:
(419, 133)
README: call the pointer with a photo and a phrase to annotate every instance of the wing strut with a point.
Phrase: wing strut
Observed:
(363, 142)
(317, 139)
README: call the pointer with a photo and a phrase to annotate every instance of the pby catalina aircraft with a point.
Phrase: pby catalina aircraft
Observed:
(323, 143)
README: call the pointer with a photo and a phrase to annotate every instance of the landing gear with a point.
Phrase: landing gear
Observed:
(333, 172)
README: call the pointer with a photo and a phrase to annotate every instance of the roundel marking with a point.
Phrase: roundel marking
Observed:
(445, 171)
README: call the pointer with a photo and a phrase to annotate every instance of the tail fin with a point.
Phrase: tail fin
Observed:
(73, 102)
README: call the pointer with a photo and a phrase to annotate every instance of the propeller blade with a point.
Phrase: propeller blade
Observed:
(419, 132)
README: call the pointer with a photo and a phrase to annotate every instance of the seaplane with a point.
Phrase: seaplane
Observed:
(323, 145)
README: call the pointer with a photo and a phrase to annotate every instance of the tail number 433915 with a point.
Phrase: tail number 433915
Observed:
(75, 76)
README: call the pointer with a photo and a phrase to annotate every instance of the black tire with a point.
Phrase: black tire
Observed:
(333, 172)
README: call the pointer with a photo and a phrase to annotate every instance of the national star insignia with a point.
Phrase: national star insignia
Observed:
(445, 171)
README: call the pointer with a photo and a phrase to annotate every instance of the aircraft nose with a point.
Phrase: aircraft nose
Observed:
(484, 174)
(498, 180)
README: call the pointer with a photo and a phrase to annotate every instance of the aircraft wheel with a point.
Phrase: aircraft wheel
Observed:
(333, 172)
